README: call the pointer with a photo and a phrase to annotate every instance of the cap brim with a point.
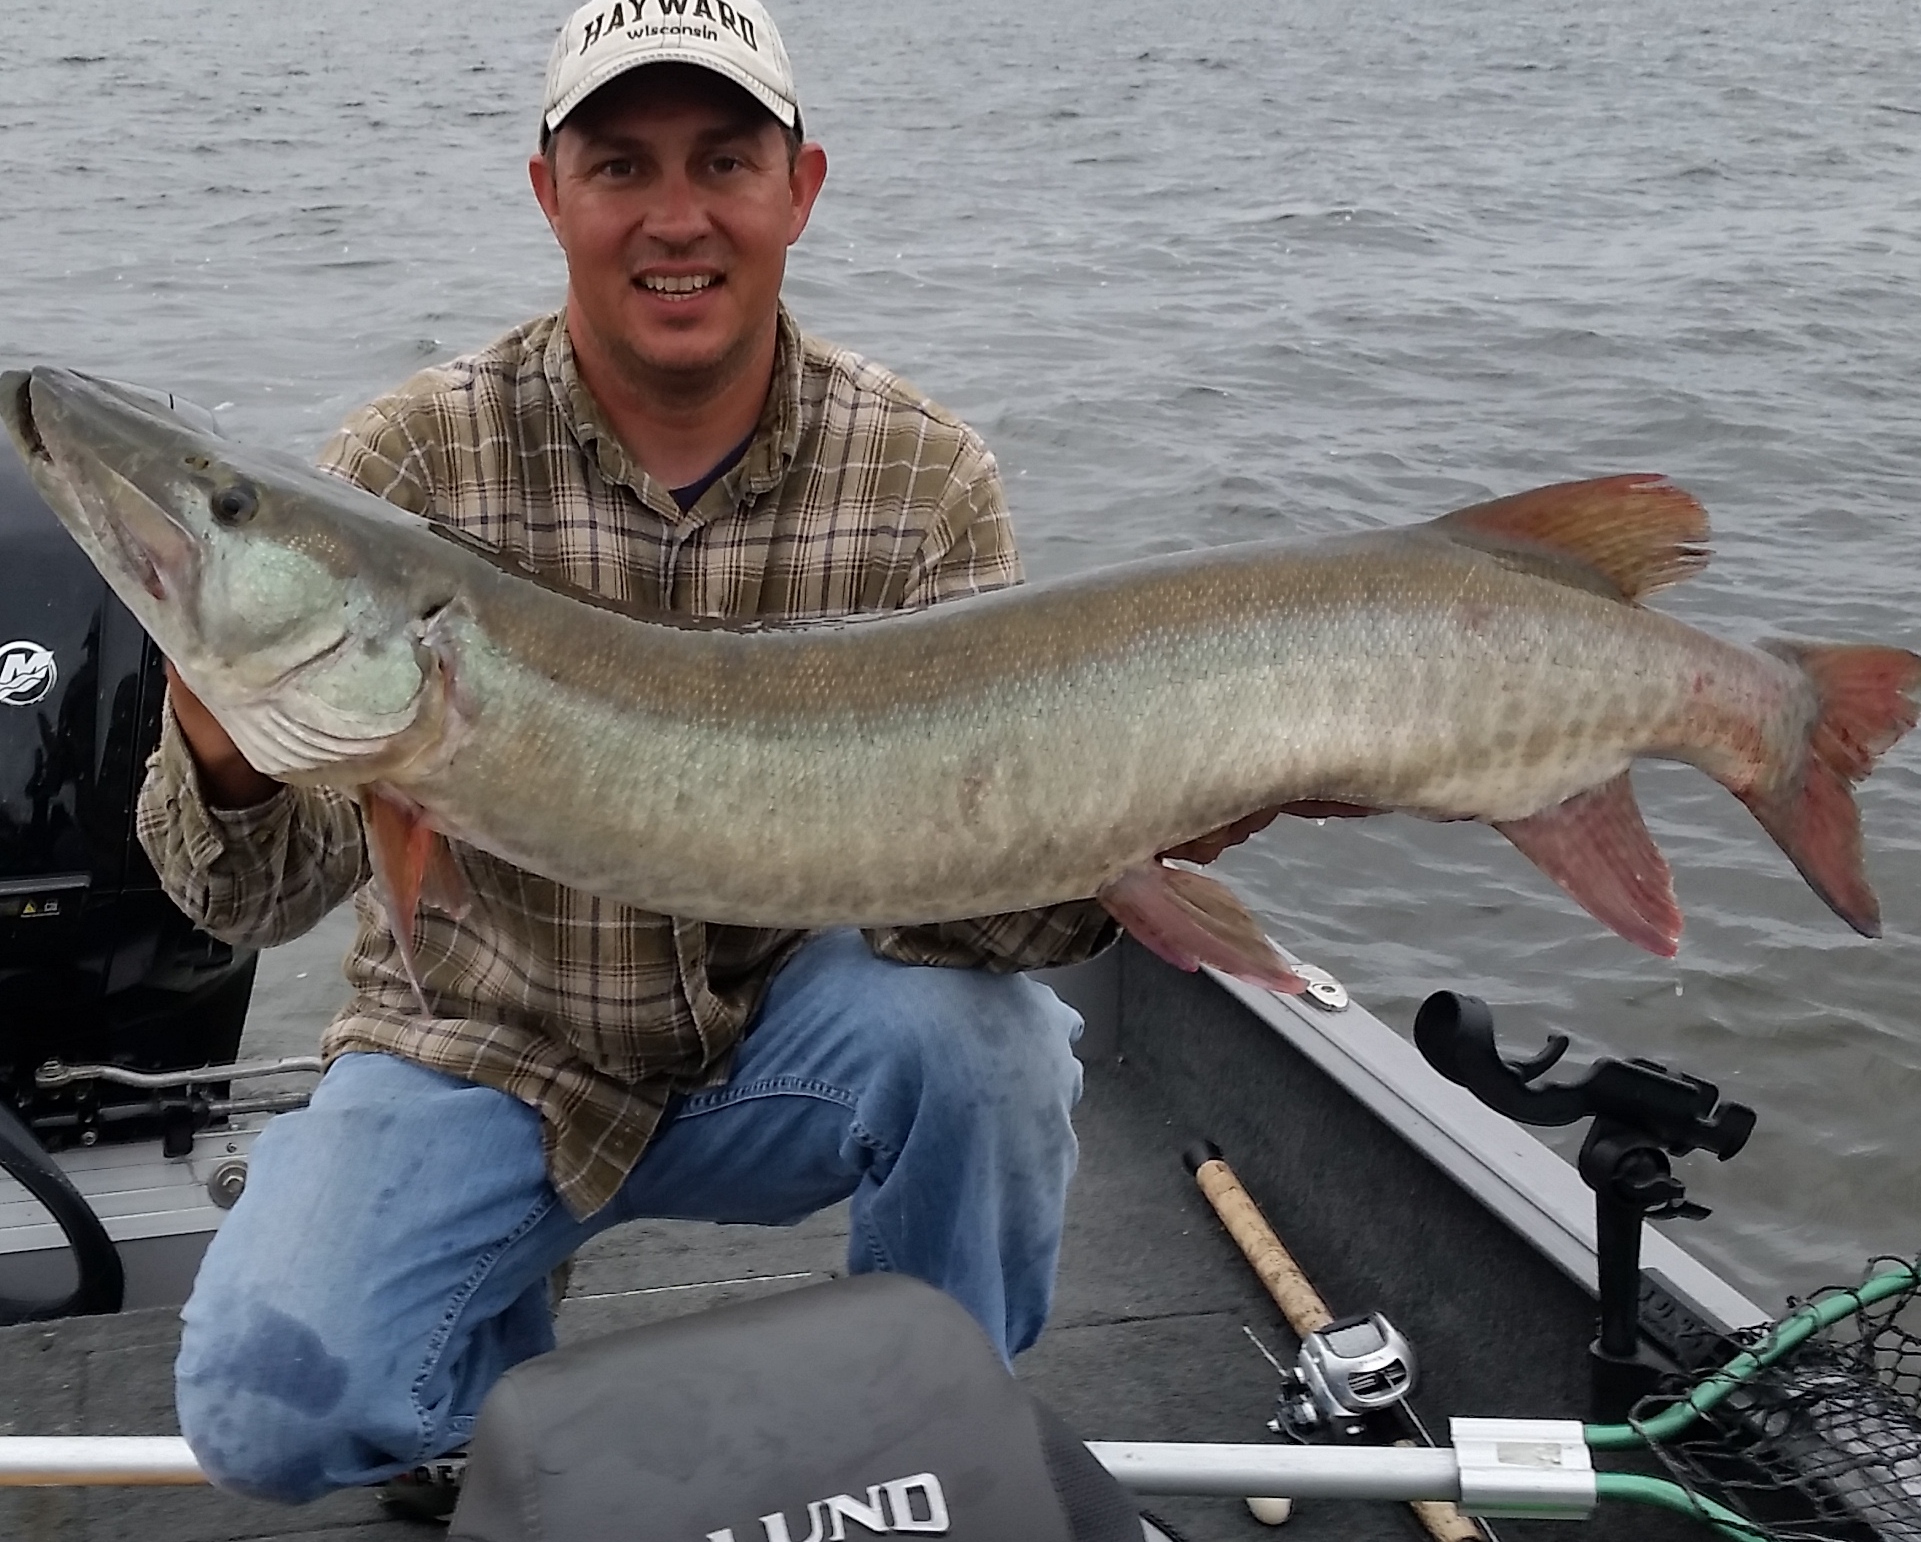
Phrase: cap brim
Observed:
(788, 113)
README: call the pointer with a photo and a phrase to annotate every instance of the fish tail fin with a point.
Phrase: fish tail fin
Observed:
(1190, 919)
(1866, 697)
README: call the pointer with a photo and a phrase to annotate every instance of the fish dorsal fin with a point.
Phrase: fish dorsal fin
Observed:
(1623, 535)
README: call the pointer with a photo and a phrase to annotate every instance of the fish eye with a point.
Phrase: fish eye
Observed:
(234, 504)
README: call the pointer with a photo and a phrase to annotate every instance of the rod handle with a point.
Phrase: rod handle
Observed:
(1286, 1281)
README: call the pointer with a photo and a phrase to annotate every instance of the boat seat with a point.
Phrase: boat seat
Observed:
(863, 1407)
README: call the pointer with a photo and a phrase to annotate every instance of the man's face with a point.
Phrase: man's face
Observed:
(675, 200)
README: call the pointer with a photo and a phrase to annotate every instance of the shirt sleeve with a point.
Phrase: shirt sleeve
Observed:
(376, 451)
(971, 550)
(253, 877)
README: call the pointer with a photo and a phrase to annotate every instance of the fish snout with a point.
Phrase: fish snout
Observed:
(16, 415)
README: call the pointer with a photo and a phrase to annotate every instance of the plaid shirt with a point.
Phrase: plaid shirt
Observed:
(855, 494)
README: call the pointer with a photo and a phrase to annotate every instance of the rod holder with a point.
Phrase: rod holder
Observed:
(1643, 1113)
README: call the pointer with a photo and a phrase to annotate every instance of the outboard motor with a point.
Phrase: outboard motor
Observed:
(865, 1407)
(96, 964)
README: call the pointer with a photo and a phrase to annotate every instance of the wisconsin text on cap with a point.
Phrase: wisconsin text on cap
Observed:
(624, 14)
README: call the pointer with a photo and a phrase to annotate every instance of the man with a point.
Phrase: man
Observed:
(670, 438)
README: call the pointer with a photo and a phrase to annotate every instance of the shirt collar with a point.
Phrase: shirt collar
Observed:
(769, 454)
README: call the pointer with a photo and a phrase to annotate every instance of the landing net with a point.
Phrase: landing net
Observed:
(1820, 1441)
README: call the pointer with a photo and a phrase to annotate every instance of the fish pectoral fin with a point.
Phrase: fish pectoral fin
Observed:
(1190, 919)
(1634, 534)
(444, 886)
(411, 862)
(1597, 847)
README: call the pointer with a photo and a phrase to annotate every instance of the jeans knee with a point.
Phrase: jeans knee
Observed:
(266, 1409)
(258, 1451)
(1001, 1043)
(1037, 1051)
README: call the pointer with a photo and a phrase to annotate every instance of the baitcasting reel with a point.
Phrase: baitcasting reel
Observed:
(1346, 1372)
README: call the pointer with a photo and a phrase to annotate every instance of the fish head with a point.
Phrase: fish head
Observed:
(272, 587)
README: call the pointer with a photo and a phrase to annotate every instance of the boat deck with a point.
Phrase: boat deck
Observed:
(1149, 1339)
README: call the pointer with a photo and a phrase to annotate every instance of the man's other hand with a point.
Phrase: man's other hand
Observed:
(1206, 848)
(226, 780)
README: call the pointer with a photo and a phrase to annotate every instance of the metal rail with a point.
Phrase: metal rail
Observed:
(1299, 1472)
(1498, 1467)
(61, 1461)
(1352, 1472)
(57, 1073)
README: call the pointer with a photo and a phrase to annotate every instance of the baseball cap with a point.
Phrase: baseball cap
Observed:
(733, 38)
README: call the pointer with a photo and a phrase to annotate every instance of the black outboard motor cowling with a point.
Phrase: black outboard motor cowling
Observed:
(96, 964)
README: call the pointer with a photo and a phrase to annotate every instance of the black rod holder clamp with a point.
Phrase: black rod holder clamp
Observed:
(1644, 1114)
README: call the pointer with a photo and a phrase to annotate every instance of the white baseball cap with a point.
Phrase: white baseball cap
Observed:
(607, 38)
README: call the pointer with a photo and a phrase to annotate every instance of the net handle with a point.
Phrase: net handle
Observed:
(1792, 1331)
(1671, 1496)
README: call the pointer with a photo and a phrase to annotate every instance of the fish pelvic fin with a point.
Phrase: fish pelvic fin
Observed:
(1624, 536)
(1190, 919)
(412, 865)
(1597, 847)
(1867, 703)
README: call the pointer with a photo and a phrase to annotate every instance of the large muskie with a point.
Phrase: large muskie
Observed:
(1011, 750)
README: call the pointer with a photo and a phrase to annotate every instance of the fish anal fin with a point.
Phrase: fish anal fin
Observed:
(1634, 534)
(1597, 847)
(1190, 919)
(410, 861)
(1867, 702)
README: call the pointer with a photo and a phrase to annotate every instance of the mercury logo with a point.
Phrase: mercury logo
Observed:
(27, 673)
(907, 1505)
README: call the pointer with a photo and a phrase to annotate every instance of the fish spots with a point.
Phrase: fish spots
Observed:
(1544, 742)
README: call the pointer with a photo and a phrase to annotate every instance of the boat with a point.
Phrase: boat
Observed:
(1378, 1162)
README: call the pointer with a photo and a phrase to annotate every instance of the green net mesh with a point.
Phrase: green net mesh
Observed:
(1825, 1443)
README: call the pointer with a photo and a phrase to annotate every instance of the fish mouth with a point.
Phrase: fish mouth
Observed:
(146, 556)
(16, 408)
(56, 418)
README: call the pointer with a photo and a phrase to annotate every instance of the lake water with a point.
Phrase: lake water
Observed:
(1201, 272)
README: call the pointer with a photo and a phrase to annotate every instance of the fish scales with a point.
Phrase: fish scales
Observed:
(775, 777)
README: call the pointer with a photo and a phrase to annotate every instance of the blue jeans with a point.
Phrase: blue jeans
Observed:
(389, 1258)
